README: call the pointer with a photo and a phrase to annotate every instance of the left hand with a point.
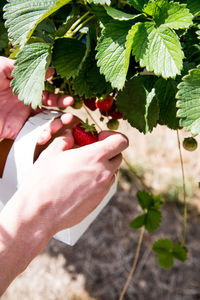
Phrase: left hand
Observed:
(13, 114)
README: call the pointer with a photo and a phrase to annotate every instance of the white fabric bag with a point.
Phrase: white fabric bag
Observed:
(19, 161)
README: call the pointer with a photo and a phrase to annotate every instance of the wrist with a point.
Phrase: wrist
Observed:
(22, 237)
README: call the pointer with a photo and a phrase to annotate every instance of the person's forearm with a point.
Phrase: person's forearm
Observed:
(22, 238)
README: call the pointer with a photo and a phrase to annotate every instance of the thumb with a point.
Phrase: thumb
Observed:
(106, 133)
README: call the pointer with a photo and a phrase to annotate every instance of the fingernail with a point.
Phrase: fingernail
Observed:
(68, 100)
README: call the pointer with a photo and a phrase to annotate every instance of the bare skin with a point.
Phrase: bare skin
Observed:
(64, 185)
(13, 113)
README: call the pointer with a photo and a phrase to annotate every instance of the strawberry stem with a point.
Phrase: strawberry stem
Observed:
(184, 189)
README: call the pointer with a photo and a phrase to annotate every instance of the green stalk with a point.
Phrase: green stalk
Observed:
(184, 190)
(82, 24)
(90, 115)
(69, 32)
(131, 169)
(135, 174)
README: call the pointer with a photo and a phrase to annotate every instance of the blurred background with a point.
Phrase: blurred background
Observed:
(97, 267)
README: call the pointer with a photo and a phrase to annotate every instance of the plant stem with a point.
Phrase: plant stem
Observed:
(134, 264)
(82, 24)
(131, 169)
(77, 23)
(184, 189)
(135, 174)
(90, 115)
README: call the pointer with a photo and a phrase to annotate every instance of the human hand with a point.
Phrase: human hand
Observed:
(74, 182)
(13, 113)
(61, 189)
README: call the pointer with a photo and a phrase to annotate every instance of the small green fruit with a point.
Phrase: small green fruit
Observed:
(78, 103)
(113, 124)
(190, 144)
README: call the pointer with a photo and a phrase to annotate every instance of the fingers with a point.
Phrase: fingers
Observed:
(67, 118)
(51, 99)
(44, 137)
(112, 145)
(54, 127)
(61, 143)
(115, 162)
(65, 101)
(106, 133)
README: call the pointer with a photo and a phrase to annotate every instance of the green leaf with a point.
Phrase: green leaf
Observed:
(153, 7)
(189, 101)
(119, 15)
(29, 76)
(113, 52)
(138, 4)
(68, 56)
(90, 82)
(191, 46)
(145, 199)
(173, 15)
(166, 91)
(101, 14)
(157, 199)
(102, 2)
(162, 246)
(138, 222)
(180, 252)
(153, 220)
(138, 103)
(194, 6)
(167, 251)
(23, 16)
(157, 49)
(166, 260)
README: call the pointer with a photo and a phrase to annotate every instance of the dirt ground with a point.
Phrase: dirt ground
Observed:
(96, 268)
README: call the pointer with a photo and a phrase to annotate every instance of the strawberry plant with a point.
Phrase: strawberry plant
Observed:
(144, 55)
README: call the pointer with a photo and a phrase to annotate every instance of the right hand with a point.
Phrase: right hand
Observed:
(63, 187)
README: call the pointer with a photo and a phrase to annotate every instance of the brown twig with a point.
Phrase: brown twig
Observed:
(130, 276)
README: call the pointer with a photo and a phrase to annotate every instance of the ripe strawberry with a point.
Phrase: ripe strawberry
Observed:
(190, 144)
(104, 103)
(90, 103)
(84, 134)
(113, 124)
(104, 113)
(115, 114)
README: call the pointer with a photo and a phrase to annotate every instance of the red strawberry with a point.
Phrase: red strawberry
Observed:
(84, 134)
(104, 113)
(90, 103)
(115, 114)
(104, 103)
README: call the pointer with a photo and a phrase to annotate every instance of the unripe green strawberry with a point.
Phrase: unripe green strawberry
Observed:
(190, 144)
(113, 124)
(78, 102)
